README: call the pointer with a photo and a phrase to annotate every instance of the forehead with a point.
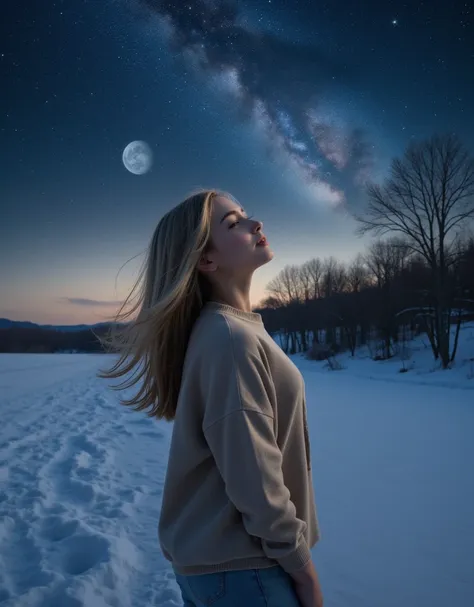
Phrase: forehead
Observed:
(222, 204)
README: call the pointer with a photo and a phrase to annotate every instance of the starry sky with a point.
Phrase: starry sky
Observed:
(290, 106)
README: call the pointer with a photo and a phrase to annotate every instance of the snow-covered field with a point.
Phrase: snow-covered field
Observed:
(81, 481)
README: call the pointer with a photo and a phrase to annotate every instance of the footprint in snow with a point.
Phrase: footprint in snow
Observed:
(57, 528)
(80, 553)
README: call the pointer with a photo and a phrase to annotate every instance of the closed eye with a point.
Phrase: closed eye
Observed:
(234, 223)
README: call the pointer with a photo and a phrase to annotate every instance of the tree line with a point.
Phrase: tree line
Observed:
(39, 340)
(417, 275)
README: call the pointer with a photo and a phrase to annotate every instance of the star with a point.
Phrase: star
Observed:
(394, 22)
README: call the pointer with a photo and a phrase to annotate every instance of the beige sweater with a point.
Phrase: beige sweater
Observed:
(238, 492)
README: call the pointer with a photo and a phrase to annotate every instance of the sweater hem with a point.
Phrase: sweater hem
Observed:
(234, 565)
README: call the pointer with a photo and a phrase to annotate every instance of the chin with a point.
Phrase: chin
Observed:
(266, 255)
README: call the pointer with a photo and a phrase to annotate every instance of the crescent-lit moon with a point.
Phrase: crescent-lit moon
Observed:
(137, 157)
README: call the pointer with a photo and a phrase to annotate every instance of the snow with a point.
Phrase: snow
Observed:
(415, 356)
(81, 480)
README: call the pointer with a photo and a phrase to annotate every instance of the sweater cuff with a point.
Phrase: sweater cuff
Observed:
(297, 559)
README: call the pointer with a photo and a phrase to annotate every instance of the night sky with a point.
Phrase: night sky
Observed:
(289, 105)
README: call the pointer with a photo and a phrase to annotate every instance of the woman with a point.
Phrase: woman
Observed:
(238, 517)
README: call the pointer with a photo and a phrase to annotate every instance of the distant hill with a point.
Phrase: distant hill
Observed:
(5, 323)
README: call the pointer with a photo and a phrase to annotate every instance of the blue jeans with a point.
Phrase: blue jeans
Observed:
(271, 587)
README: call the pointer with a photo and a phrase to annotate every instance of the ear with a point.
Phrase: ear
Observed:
(207, 264)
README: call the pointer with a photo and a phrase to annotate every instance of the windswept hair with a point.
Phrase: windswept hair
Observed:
(171, 293)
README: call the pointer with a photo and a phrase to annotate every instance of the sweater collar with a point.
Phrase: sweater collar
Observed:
(231, 311)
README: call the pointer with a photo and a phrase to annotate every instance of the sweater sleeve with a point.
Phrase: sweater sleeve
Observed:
(239, 429)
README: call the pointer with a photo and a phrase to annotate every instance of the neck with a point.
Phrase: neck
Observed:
(235, 295)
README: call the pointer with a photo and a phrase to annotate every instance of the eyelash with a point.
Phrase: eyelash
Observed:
(236, 222)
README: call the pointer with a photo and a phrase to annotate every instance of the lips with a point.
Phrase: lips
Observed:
(262, 242)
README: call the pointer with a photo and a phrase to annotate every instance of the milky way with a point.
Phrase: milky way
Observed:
(283, 88)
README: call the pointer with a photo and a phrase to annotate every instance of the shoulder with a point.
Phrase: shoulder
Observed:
(229, 369)
(217, 334)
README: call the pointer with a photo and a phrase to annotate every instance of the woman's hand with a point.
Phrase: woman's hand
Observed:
(307, 586)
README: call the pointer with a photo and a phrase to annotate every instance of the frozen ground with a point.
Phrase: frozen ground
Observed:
(81, 481)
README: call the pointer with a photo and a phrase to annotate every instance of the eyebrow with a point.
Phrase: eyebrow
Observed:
(233, 212)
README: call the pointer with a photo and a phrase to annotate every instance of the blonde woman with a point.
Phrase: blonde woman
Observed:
(238, 517)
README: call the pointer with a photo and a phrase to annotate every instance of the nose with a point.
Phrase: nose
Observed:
(258, 225)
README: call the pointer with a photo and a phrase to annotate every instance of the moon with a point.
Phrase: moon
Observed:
(137, 157)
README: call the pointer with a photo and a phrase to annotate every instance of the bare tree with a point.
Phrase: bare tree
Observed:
(387, 258)
(289, 290)
(385, 261)
(333, 278)
(357, 275)
(312, 272)
(333, 282)
(287, 286)
(428, 199)
(305, 282)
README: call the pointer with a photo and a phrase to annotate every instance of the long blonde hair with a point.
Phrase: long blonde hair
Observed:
(171, 293)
